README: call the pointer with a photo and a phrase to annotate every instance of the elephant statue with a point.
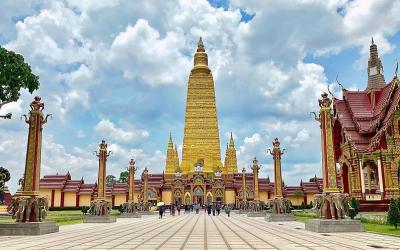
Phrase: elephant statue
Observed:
(100, 208)
(28, 208)
(279, 205)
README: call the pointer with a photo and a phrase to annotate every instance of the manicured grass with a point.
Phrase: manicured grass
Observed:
(62, 218)
(383, 229)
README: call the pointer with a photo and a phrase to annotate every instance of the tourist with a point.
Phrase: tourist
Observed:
(228, 210)
(164, 208)
(191, 207)
(213, 209)
(197, 207)
(209, 209)
(178, 207)
(218, 209)
(172, 212)
(160, 212)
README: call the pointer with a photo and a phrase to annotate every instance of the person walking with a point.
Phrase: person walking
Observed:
(197, 207)
(209, 209)
(213, 209)
(178, 207)
(172, 212)
(228, 209)
(164, 209)
(218, 209)
(160, 212)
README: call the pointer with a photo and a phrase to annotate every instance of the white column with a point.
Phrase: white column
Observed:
(380, 176)
(362, 178)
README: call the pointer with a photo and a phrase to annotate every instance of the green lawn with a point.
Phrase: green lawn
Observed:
(66, 217)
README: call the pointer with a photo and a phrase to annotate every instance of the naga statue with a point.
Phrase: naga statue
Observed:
(28, 209)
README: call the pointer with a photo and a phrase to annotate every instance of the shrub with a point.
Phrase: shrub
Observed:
(84, 210)
(394, 213)
(355, 204)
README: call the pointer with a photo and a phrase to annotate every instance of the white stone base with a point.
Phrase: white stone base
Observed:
(256, 214)
(28, 228)
(279, 217)
(334, 226)
(99, 219)
(146, 212)
(130, 215)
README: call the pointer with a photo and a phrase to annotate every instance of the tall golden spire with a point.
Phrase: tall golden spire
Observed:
(230, 157)
(170, 161)
(376, 79)
(201, 134)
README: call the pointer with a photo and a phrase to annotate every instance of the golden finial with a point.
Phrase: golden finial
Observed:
(200, 46)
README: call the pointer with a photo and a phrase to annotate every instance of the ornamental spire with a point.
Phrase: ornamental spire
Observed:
(376, 79)
(231, 141)
(200, 46)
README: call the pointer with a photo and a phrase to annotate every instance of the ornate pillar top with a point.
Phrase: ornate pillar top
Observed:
(325, 101)
(255, 164)
(36, 104)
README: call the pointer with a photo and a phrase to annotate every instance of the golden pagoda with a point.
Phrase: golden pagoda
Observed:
(201, 135)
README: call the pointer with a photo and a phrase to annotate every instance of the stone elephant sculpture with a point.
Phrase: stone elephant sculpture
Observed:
(279, 205)
(319, 205)
(100, 207)
(28, 208)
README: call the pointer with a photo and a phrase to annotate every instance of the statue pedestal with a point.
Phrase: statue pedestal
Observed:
(130, 215)
(99, 219)
(334, 226)
(27, 228)
(279, 217)
(256, 214)
(146, 212)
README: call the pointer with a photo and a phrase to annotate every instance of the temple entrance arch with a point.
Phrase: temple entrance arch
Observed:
(188, 198)
(178, 197)
(209, 197)
(219, 195)
(198, 195)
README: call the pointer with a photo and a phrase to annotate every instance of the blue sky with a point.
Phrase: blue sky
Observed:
(118, 70)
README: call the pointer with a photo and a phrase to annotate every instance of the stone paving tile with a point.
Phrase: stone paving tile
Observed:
(194, 232)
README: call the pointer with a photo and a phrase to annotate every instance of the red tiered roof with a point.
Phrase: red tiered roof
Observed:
(362, 123)
(54, 181)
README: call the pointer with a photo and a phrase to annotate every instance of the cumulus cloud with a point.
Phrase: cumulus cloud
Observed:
(108, 129)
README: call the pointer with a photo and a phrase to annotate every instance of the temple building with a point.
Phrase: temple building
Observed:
(201, 175)
(366, 138)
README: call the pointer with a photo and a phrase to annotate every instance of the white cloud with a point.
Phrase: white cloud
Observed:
(108, 130)
(141, 52)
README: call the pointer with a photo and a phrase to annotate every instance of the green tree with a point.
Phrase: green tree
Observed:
(393, 217)
(124, 176)
(355, 204)
(15, 74)
(110, 180)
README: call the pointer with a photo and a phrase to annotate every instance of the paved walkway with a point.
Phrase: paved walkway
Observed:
(197, 232)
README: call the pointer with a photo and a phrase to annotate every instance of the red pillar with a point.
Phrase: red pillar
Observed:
(62, 199)
(52, 198)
